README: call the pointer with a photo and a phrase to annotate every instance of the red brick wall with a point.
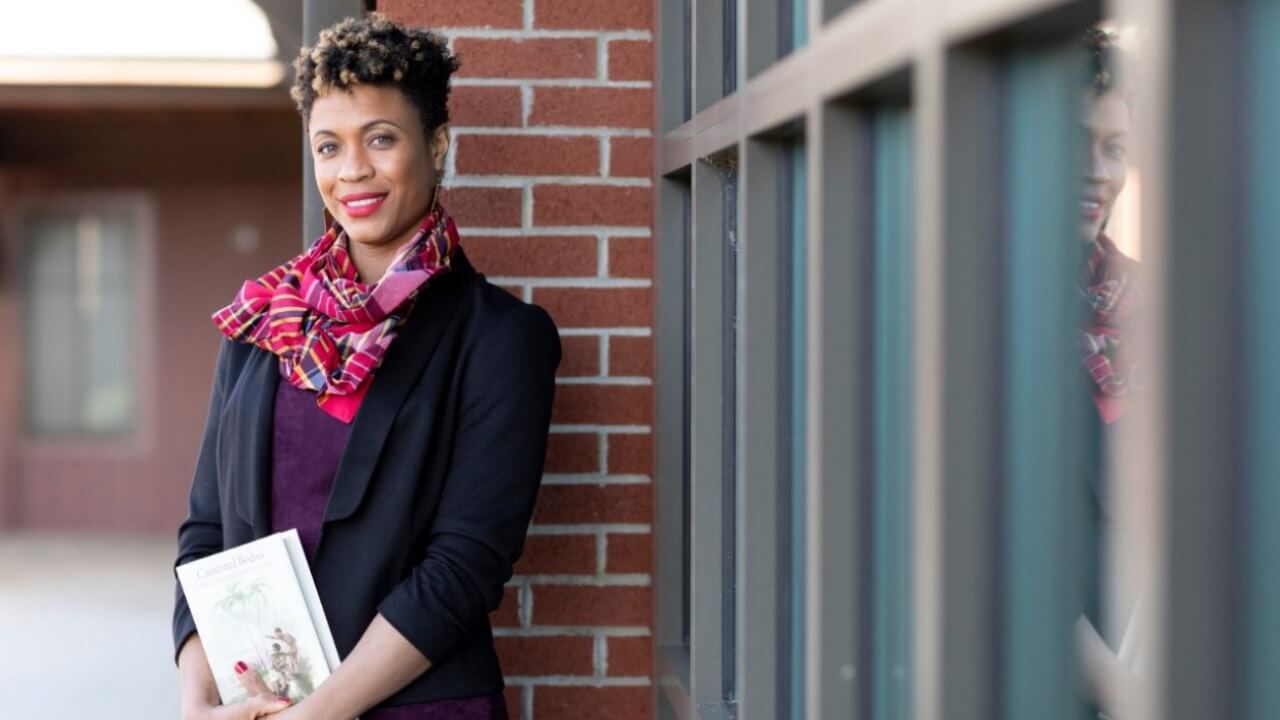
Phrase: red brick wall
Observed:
(549, 178)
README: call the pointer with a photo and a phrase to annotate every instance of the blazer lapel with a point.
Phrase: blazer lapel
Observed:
(250, 418)
(435, 310)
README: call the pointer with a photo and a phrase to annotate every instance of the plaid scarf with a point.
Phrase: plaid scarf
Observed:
(330, 330)
(1106, 285)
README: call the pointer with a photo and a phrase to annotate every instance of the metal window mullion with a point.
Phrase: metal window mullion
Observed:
(707, 438)
(708, 53)
(671, 443)
(838, 368)
(1201, 346)
(758, 649)
(964, 579)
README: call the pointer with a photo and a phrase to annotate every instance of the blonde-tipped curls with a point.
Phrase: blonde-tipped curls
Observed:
(375, 50)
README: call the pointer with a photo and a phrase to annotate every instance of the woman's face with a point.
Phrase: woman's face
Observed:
(1106, 137)
(375, 170)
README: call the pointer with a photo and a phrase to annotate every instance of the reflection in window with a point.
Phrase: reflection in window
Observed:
(80, 327)
(792, 311)
(891, 487)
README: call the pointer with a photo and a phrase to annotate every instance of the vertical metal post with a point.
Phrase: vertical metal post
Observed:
(317, 15)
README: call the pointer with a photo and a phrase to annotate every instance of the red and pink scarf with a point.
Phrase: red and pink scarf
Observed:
(1107, 286)
(330, 330)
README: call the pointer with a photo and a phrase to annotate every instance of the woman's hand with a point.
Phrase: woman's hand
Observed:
(260, 703)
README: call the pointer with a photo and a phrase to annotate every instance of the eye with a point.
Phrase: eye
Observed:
(383, 139)
(321, 148)
(1115, 151)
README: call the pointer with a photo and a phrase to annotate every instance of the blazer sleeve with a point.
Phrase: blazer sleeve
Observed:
(488, 495)
(201, 533)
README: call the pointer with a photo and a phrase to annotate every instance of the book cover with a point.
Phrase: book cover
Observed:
(258, 603)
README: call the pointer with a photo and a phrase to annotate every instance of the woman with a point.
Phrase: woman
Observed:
(1107, 286)
(383, 398)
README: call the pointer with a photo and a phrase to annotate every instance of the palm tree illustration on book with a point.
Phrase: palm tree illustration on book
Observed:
(276, 659)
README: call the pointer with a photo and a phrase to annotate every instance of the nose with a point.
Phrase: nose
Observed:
(1095, 166)
(355, 167)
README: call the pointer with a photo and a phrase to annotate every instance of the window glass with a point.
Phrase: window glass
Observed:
(891, 486)
(1262, 267)
(80, 308)
(1051, 489)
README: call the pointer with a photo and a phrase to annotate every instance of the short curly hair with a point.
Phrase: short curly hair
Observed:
(375, 50)
(1106, 68)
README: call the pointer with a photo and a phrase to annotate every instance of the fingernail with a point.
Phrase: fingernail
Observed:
(241, 667)
(284, 699)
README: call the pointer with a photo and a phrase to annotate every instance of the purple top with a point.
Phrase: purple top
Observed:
(307, 444)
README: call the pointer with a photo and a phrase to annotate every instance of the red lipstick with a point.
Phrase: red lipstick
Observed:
(362, 204)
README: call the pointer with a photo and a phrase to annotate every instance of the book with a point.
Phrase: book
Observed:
(257, 603)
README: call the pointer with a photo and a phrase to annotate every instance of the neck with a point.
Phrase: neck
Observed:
(371, 262)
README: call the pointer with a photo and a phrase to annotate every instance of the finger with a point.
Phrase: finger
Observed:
(251, 681)
(264, 705)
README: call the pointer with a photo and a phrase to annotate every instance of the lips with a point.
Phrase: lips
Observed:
(1091, 206)
(362, 204)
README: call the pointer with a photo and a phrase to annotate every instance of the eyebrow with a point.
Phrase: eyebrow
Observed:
(363, 128)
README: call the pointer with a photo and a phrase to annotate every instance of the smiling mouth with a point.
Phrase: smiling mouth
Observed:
(363, 206)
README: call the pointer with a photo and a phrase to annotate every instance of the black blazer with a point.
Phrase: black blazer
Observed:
(434, 491)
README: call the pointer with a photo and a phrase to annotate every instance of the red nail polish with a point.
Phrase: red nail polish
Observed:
(241, 667)
(283, 699)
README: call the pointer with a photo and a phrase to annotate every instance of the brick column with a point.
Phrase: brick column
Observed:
(549, 179)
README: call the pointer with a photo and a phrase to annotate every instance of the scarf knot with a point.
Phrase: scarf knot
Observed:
(329, 330)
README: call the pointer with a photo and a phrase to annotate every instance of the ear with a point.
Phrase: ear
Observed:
(440, 146)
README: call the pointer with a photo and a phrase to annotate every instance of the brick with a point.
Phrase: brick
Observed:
(630, 257)
(456, 13)
(514, 695)
(629, 553)
(545, 655)
(630, 356)
(631, 157)
(572, 453)
(527, 155)
(516, 290)
(593, 14)
(596, 307)
(592, 205)
(482, 206)
(558, 555)
(630, 454)
(593, 703)
(578, 605)
(593, 504)
(602, 405)
(593, 107)
(579, 356)
(485, 106)
(630, 60)
(533, 256)
(527, 58)
(508, 613)
(629, 656)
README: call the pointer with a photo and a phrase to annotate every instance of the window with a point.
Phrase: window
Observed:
(892, 239)
(80, 280)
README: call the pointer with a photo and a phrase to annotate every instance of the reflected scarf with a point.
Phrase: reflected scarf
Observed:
(330, 330)
(1107, 287)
